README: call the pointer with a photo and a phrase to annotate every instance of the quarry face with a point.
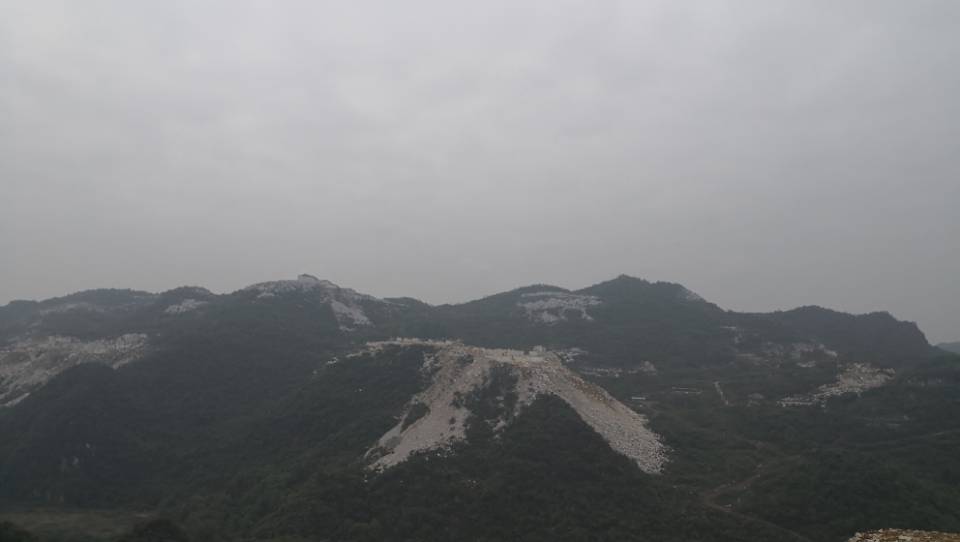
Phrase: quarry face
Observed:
(437, 417)
(31, 362)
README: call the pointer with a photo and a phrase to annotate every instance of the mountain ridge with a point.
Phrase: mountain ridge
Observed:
(655, 319)
(306, 281)
(256, 413)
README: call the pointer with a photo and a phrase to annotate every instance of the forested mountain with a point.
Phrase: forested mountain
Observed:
(950, 347)
(628, 410)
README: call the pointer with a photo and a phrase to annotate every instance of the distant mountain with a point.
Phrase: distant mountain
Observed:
(950, 347)
(628, 410)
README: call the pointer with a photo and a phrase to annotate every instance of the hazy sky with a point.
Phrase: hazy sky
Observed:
(766, 153)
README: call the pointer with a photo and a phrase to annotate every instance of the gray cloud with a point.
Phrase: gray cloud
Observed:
(767, 154)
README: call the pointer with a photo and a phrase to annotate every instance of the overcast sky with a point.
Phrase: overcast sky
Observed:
(766, 154)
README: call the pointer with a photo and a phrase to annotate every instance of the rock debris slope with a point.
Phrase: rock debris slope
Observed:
(29, 363)
(898, 535)
(436, 418)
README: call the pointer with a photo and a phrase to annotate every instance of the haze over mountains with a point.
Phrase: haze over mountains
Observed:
(465, 181)
(765, 155)
(624, 410)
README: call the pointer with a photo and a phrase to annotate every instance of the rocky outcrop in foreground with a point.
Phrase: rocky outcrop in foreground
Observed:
(899, 535)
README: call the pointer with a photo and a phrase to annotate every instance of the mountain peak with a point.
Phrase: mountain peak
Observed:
(626, 285)
(347, 304)
(303, 282)
(307, 279)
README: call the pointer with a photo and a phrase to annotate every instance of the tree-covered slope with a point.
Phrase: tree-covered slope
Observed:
(250, 414)
(950, 347)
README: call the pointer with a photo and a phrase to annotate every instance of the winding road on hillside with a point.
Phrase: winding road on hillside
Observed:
(710, 496)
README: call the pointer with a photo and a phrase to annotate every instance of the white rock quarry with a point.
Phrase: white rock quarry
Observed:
(856, 378)
(187, 305)
(804, 354)
(550, 307)
(458, 371)
(29, 363)
(853, 378)
(345, 303)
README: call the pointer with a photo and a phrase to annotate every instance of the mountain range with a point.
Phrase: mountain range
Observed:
(627, 410)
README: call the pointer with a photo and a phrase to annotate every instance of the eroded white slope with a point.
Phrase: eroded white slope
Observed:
(551, 306)
(851, 378)
(345, 303)
(29, 363)
(187, 305)
(458, 371)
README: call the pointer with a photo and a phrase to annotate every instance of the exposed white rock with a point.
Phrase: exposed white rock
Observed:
(345, 302)
(853, 378)
(550, 307)
(375, 347)
(186, 305)
(645, 367)
(900, 535)
(723, 396)
(27, 364)
(12, 402)
(349, 315)
(303, 283)
(856, 378)
(797, 401)
(570, 355)
(458, 371)
(648, 367)
(735, 332)
(804, 354)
